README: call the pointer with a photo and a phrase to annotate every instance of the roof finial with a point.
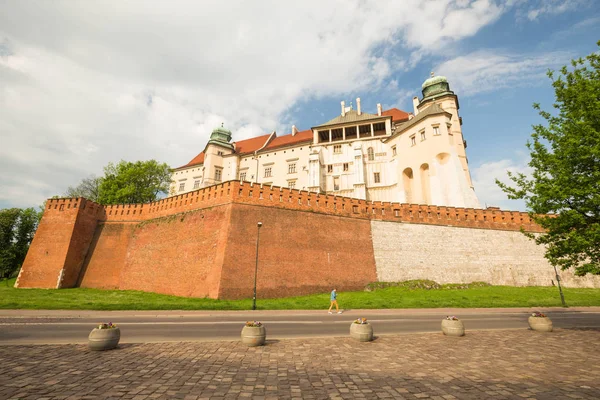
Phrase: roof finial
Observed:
(432, 74)
(351, 105)
(221, 124)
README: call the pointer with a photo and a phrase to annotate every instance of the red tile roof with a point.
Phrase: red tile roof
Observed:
(397, 115)
(251, 145)
(300, 137)
(199, 159)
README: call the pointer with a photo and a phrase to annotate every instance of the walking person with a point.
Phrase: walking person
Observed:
(333, 299)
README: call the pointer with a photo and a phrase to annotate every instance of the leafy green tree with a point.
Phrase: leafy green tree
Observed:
(88, 187)
(17, 227)
(563, 193)
(139, 182)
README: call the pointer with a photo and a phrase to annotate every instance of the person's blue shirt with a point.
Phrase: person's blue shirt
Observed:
(333, 295)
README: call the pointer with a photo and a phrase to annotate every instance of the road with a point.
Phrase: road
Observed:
(59, 327)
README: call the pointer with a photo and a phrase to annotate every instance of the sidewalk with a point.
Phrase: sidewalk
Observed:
(513, 364)
(183, 313)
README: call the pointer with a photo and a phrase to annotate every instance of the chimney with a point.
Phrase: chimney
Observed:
(294, 130)
(358, 105)
(379, 109)
(415, 105)
(343, 109)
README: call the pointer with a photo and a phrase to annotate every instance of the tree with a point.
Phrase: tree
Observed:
(17, 227)
(139, 182)
(563, 193)
(88, 187)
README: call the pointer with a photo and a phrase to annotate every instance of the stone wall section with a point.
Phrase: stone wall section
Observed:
(300, 252)
(60, 245)
(108, 251)
(180, 255)
(202, 243)
(446, 254)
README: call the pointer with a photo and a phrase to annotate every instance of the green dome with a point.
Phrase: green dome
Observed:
(221, 131)
(221, 136)
(435, 86)
(433, 80)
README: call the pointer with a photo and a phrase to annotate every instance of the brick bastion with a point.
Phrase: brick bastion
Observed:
(203, 244)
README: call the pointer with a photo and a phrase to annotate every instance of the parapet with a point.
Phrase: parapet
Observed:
(302, 200)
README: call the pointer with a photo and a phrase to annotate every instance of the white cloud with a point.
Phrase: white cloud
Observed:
(484, 180)
(533, 10)
(487, 70)
(83, 83)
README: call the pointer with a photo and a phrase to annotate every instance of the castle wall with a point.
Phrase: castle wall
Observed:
(60, 244)
(180, 255)
(299, 253)
(457, 255)
(202, 243)
(106, 257)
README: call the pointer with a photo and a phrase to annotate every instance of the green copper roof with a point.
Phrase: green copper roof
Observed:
(221, 136)
(435, 86)
(433, 80)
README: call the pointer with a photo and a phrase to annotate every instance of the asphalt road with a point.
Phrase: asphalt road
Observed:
(54, 327)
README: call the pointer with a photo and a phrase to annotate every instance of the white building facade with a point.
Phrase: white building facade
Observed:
(392, 155)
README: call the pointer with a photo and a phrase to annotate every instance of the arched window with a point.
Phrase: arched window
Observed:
(370, 154)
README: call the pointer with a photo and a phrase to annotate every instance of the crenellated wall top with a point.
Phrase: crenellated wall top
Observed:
(301, 200)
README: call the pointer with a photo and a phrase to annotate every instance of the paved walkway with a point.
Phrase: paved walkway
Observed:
(512, 364)
(179, 313)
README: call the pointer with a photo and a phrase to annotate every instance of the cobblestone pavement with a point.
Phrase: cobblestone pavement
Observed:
(511, 364)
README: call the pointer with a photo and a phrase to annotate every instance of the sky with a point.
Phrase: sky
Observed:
(83, 84)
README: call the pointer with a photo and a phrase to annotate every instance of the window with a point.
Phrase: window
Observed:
(345, 167)
(413, 140)
(436, 131)
(336, 183)
(394, 153)
(337, 149)
(218, 173)
(292, 184)
(292, 168)
(422, 133)
(197, 184)
(376, 177)
(268, 172)
(330, 168)
(219, 153)
(242, 176)
(182, 186)
(370, 154)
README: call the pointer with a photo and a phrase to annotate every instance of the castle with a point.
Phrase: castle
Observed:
(389, 156)
(359, 199)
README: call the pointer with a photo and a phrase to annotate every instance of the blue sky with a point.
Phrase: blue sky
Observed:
(84, 84)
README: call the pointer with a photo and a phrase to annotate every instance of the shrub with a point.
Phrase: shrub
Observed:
(425, 284)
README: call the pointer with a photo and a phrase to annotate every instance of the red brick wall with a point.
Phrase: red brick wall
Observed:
(106, 257)
(60, 243)
(299, 253)
(179, 255)
(202, 243)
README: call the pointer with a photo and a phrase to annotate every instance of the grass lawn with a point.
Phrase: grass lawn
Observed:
(445, 296)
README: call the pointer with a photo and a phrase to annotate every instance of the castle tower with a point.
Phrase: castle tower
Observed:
(218, 146)
(449, 179)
